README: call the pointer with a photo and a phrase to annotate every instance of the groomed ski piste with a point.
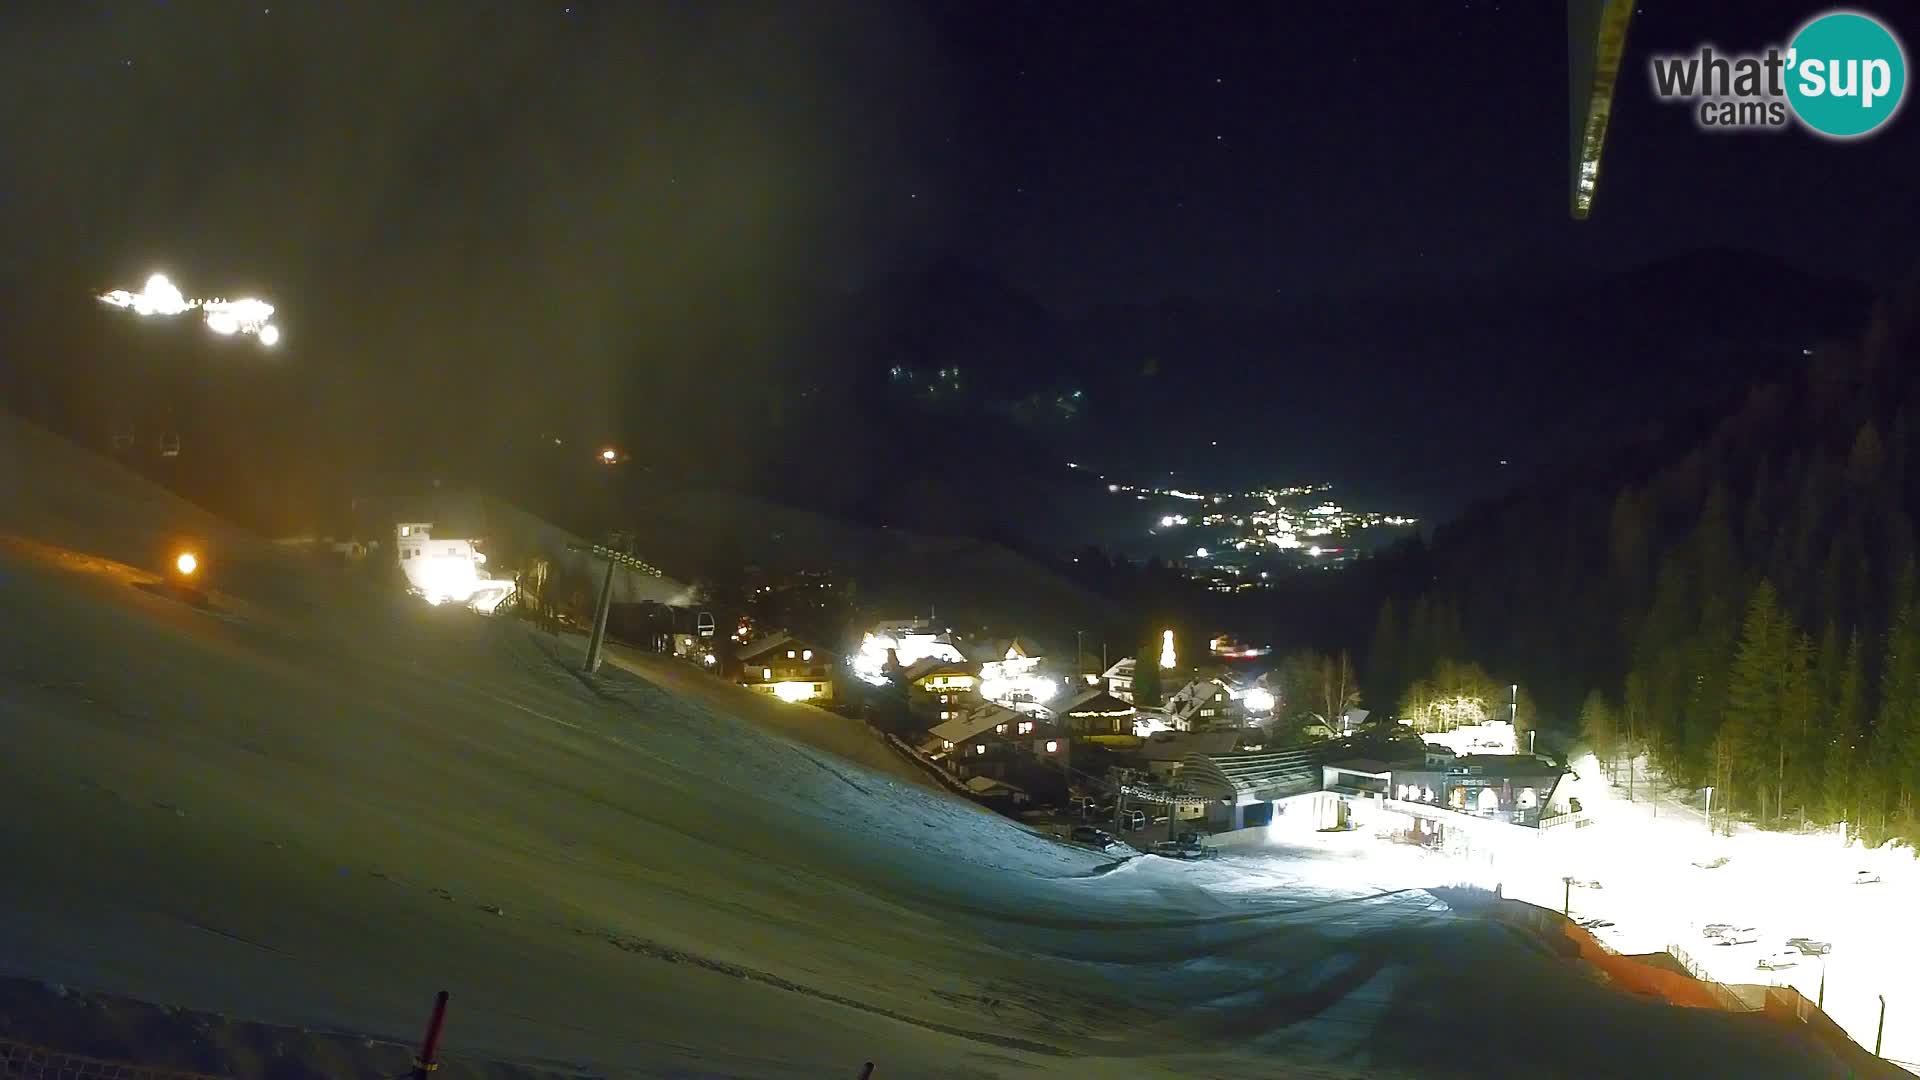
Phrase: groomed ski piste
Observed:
(315, 803)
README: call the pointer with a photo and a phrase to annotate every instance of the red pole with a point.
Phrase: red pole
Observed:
(429, 1046)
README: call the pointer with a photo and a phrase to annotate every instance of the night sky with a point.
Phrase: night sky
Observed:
(572, 214)
(1249, 150)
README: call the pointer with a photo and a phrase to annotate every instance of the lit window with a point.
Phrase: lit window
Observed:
(945, 715)
(979, 748)
(1026, 727)
(946, 744)
(1000, 729)
(789, 654)
(1052, 745)
(766, 673)
(806, 654)
(943, 699)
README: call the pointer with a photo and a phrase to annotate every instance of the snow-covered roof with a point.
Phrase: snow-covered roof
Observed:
(933, 665)
(762, 645)
(969, 724)
(1507, 765)
(1189, 699)
(1094, 701)
(1176, 745)
(1121, 669)
(987, 785)
(996, 649)
(1267, 774)
(1368, 766)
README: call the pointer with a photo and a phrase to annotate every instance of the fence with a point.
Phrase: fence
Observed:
(927, 765)
(30, 1062)
(1729, 999)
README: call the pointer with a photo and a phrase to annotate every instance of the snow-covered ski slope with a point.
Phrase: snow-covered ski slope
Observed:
(317, 804)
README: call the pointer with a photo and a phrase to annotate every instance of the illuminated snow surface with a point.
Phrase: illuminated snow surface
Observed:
(317, 803)
(1655, 890)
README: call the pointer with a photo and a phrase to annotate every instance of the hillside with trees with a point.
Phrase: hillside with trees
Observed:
(1736, 596)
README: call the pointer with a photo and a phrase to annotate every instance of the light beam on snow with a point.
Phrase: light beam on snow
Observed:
(224, 317)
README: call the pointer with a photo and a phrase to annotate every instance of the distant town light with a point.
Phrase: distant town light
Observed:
(1167, 659)
(186, 563)
(609, 455)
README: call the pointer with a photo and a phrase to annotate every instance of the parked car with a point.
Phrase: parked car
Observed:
(1865, 877)
(1712, 864)
(1133, 820)
(1735, 935)
(1809, 947)
(1189, 845)
(1092, 837)
(1779, 961)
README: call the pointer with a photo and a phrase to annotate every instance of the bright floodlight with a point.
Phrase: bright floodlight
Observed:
(186, 563)
(224, 317)
(1259, 700)
(792, 691)
(609, 455)
(158, 298)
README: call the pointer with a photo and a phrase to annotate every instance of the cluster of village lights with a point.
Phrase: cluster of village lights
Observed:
(224, 317)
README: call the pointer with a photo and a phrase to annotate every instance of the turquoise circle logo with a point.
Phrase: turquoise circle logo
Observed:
(1846, 74)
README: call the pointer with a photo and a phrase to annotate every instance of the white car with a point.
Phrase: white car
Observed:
(1865, 877)
(1779, 961)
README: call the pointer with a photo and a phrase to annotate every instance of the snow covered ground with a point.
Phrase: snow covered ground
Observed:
(315, 805)
(1656, 895)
